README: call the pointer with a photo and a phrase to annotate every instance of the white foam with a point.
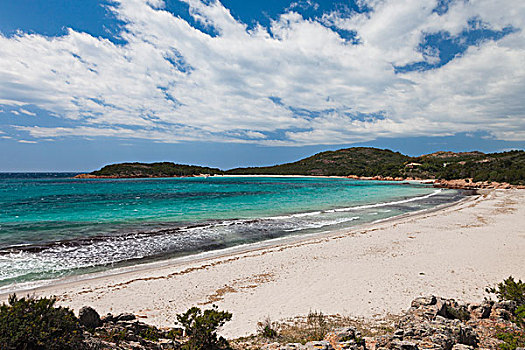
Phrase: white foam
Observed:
(377, 205)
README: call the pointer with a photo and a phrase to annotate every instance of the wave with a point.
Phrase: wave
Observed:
(23, 263)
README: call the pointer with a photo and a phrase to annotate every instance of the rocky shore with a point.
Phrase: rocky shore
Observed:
(469, 184)
(430, 323)
(460, 184)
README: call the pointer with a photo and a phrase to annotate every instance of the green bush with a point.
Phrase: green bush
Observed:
(201, 328)
(511, 340)
(511, 290)
(520, 316)
(29, 323)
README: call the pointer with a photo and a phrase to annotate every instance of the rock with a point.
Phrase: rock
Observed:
(404, 345)
(424, 301)
(509, 305)
(500, 314)
(345, 338)
(318, 345)
(443, 340)
(125, 317)
(342, 334)
(462, 347)
(481, 311)
(168, 344)
(467, 336)
(293, 346)
(89, 318)
(349, 345)
(452, 311)
(107, 318)
(398, 334)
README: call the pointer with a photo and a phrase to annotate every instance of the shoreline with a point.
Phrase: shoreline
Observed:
(35, 286)
(454, 252)
(456, 184)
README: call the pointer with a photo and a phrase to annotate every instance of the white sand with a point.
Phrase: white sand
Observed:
(454, 252)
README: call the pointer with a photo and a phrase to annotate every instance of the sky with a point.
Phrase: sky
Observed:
(241, 83)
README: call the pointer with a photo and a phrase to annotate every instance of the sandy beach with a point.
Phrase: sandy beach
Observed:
(453, 252)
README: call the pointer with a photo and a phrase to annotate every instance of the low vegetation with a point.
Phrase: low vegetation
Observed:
(30, 323)
(512, 291)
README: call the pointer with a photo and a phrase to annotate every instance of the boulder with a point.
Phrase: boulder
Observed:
(467, 336)
(462, 347)
(293, 346)
(107, 318)
(125, 317)
(403, 345)
(424, 301)
(318, 345)
(481, 311)
(89, 318)
(509, 305)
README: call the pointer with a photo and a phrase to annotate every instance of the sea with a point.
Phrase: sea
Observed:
(53, 226)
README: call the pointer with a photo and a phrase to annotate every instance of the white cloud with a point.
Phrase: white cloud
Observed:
(26, 112)
(172, 82)
(27, 141)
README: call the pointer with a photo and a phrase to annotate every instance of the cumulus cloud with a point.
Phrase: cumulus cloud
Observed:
(297, 82)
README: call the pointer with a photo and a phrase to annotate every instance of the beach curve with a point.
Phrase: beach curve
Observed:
(455, 251)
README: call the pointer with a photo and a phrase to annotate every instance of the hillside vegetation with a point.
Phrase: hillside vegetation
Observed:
(367, 162)
(359, 161)
(164, 169)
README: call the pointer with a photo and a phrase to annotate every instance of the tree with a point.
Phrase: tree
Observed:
(201, 328)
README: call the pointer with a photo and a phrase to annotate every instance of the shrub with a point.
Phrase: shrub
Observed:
(520, 316)
(317, 324)
(512, 290)
(268, 329)
(201, 328)
(509, 289)
(29, 323)
(511, 340)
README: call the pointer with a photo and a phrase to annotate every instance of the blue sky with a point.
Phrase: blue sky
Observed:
(240, 83)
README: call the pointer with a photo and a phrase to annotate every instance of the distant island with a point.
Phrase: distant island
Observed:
(144, 170)
(358, 162)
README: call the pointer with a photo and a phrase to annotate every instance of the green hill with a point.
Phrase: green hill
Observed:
(501, 167)
(164, 169)
(367, 162)
(360, 161)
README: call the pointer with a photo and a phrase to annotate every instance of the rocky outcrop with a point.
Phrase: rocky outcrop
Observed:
(468, 184)
(384, 178)
(125, 332)
(430, 323)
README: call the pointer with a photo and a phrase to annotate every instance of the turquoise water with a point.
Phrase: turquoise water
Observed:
(57, 226)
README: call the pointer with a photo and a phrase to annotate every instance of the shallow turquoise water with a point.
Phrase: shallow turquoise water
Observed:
(52, 227)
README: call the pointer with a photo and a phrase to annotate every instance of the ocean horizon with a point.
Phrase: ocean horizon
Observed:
(54, 226)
